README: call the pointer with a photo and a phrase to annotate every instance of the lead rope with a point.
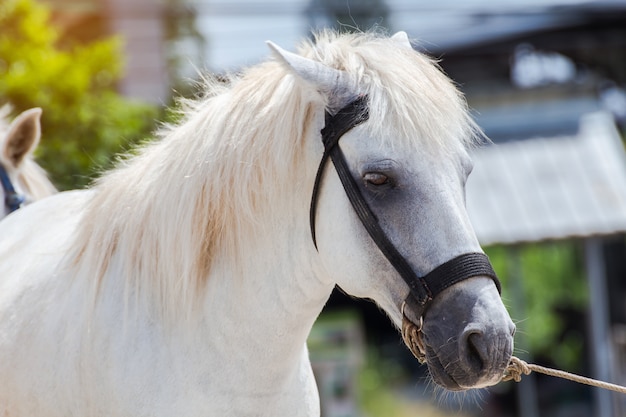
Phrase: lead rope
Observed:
(518, 367)
(411, 333)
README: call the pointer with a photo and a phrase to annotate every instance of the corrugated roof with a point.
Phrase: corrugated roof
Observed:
(550, 188)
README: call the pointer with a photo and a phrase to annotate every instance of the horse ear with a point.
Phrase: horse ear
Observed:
(23, 136)
(403, 39)
(335, 84)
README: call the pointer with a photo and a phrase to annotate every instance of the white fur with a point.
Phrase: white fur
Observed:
(186, 282)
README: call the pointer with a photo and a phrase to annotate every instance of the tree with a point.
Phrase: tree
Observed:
(84, 120)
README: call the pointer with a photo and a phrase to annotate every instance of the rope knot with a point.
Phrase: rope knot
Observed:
(516, 369)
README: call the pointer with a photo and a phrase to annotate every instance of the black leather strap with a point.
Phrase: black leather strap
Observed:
(355, 113)
(419, 289)
(12, 200)
(458, 269)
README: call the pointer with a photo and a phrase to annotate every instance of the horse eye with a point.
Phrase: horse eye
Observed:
(376, 178)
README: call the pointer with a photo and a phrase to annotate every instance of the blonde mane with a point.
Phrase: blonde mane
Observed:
(191, 197)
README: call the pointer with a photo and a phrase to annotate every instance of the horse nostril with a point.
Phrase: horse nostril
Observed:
(473, 350)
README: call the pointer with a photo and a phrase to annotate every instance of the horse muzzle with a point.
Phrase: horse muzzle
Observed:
(465, 337)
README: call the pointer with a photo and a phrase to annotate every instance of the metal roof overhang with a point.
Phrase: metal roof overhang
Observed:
(550, 188)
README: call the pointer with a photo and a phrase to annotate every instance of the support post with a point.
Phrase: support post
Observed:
(527, 403)
(599, 327)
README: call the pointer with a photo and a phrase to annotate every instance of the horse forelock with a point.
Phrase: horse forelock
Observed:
(412, 102)
(207, 187)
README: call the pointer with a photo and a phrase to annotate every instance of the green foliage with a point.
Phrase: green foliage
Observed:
(84, 121)
(552, 281)
(380, 385)
(376, 379)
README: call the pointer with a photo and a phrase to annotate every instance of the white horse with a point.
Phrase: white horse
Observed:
(186, 281)
(23, 181)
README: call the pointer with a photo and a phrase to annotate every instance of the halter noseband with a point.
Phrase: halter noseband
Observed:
(12, 200)
(425, 288)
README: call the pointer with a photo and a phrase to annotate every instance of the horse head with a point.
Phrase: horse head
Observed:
(405, 153)
(23, 181)
(20, 139)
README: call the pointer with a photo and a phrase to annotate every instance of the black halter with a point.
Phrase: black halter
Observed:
(12, 200)
(425, 288)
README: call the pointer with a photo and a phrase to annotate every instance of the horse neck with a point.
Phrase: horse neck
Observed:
(265, 311)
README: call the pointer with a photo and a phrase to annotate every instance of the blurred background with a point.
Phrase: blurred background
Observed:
(546, 81)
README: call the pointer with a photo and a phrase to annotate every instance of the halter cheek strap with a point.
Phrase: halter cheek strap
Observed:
(12, 200)
(425, 288)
